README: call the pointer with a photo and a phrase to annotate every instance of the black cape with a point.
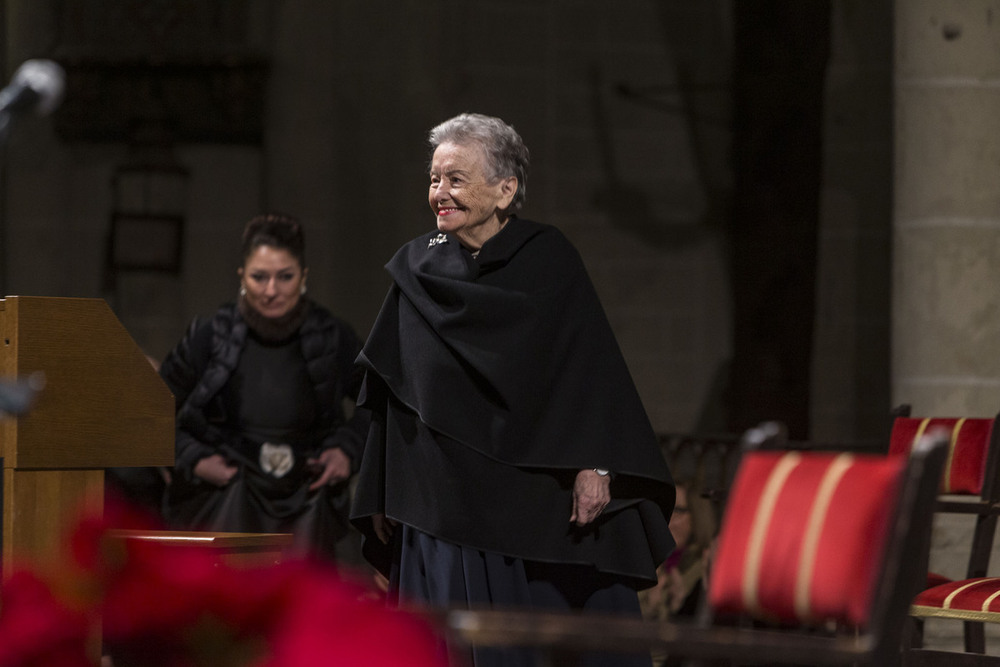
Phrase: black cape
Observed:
(492, 381)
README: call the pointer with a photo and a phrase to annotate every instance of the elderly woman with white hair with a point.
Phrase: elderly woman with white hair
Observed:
(510, 461)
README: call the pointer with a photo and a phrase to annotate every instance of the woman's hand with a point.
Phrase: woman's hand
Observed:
(591, 494)
(384, 527)
(333, 466)
(215, 470)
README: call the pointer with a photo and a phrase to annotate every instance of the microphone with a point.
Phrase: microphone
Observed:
(37, 86)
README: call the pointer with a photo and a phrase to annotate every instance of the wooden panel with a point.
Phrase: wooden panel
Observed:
(103, 404)
(8, 369)
(38, 508)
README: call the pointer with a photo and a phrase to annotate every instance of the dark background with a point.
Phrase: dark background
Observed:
(724, 168)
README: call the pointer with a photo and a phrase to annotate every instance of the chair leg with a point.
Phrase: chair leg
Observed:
(975, 638)
(913, 633)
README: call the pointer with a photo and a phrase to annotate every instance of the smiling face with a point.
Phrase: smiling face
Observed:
(465, 202)
(273, 279)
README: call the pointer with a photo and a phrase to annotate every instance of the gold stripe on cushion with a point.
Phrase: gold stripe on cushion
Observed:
(951, 596)
(946, 478)
(758, 530)
(920, 432)
(989, 601)
(814, 529)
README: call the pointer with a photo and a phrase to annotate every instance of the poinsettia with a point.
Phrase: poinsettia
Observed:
(175, 606)
(330, 622)
(37, 629)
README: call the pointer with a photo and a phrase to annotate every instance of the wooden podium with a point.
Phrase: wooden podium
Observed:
(102, 406)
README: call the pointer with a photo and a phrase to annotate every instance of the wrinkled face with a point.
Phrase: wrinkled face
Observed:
(680, 520)
(464, 201)
(273, 279)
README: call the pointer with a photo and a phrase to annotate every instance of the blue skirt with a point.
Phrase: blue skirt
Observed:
(431, 571)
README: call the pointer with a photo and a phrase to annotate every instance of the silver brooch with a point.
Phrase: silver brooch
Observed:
(440, 238)
(276, 460)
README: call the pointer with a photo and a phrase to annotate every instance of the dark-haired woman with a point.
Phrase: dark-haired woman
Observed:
(263, 440)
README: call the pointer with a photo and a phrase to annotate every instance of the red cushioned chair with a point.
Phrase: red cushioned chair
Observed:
(814, 565)
(969, 486)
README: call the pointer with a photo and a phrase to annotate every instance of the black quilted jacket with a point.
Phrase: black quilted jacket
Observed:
(201, 364)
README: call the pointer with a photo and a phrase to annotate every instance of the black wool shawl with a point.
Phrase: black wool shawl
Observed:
(493, 381)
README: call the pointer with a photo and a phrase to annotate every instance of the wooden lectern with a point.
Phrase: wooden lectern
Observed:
(103, 405)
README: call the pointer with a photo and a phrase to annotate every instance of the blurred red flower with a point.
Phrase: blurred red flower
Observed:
(39, 630)
(175, 606)
(329, 622)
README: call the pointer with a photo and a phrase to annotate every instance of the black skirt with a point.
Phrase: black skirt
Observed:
(442, 574)
(255, 501)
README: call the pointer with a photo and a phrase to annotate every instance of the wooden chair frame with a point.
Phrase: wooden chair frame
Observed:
(986, 509)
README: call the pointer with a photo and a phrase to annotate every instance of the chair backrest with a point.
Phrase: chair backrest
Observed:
(969, 482)
(708, 461)
(805, 535)
(970, 468)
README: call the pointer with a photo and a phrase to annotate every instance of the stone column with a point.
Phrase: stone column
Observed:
(946, 275)
(946, 266)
